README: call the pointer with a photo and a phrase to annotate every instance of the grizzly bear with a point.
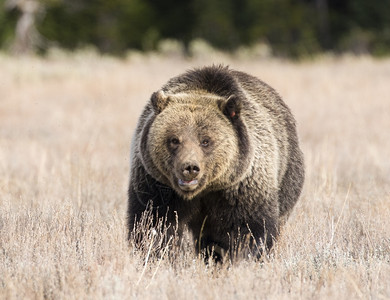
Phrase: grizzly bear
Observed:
(216, 150)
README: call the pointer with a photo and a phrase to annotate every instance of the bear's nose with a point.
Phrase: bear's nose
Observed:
(190, 170)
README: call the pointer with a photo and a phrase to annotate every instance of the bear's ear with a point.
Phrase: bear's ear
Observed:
(232, 107)
(159, 101)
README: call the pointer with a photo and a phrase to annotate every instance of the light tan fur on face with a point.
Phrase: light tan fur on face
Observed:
(190, 122)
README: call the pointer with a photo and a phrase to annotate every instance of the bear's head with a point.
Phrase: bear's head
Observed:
(192, 142)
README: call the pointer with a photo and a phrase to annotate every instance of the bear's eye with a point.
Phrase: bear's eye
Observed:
(175, 141)
(205, 142)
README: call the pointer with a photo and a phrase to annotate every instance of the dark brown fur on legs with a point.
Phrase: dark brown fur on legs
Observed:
(217, 150)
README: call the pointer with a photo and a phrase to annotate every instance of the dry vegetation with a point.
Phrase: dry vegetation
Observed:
(65, 130)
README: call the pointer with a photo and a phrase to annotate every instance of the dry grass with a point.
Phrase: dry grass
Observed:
(65, 130)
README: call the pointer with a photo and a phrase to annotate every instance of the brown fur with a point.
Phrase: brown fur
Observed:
(218, 148)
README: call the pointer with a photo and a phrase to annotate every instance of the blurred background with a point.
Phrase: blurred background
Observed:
(283, 28)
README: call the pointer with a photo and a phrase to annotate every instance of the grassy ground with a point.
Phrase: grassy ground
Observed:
(65, 131)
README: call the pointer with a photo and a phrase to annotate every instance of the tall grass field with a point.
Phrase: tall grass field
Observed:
(66, 124)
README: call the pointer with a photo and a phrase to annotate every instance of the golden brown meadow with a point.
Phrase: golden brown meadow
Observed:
(65, 129)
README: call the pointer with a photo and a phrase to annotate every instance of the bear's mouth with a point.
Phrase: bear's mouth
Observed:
(187, 183)
(188, 186)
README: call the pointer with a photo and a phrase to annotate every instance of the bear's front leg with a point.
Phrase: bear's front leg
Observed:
(150, 209)
(224, 231)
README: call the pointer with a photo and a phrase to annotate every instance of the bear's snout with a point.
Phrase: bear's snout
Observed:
(190, 170)
(188, 166)
(188, 176)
